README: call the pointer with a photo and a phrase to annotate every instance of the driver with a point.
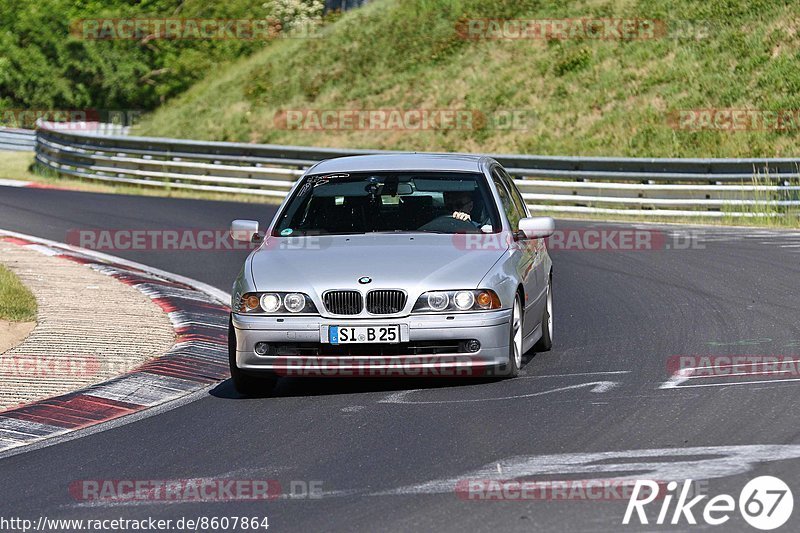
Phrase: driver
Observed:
(460, 203)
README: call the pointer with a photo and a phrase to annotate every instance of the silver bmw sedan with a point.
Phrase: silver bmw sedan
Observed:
(393, 265)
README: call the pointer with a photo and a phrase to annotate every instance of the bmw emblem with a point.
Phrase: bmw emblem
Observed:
(364, 280)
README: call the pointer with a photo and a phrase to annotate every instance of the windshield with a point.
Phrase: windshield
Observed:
(366, 202)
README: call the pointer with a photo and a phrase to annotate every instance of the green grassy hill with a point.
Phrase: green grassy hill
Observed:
(589, 97)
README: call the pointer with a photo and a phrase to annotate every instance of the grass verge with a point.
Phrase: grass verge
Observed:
(768, 211)
(17, 304)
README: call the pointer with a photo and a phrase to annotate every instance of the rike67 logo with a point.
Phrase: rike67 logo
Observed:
(765, 503)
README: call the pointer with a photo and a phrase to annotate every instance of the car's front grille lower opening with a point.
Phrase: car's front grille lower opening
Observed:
(302, 349)
(343, 302)
(385, 302)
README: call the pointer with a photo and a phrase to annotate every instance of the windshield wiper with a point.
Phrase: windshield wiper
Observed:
(301, 233)
(398, 231)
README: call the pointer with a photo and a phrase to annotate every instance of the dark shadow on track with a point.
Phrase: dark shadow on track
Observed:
(289, 387)
(294, 387)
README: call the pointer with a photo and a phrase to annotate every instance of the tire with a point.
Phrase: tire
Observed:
(546, 341)
(512, 366)
(246, 384)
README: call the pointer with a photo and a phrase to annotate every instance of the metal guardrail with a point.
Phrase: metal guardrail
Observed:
(662, 187)
(17, 140)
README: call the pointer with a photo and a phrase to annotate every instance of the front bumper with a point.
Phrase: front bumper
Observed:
(431, 345)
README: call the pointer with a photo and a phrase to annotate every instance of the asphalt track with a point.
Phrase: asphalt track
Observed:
(386, 458)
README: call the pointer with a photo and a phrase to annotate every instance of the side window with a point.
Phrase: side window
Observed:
(516, 197)
(505, 199)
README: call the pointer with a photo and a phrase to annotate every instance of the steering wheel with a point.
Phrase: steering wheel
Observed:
(448, 224)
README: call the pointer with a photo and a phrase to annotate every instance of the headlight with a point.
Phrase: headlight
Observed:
(456, 301)
(464, 300)
(438, 301)
(294, 302)
(270, 302)
(275, 303)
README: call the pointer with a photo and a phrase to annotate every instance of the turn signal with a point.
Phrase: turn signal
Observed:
(249, 302)
(487, 300)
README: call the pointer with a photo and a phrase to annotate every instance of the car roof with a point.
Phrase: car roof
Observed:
(409, 161)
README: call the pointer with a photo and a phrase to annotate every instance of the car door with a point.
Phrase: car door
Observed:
(524, 252)
(535, 246)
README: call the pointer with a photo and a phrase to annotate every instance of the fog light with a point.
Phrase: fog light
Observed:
(262, 348)
(473, 345)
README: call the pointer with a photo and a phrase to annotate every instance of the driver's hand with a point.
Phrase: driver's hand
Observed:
(459, 215)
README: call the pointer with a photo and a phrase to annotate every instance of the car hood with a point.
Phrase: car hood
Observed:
(416, 263)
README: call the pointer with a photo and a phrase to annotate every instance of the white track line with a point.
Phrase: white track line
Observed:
(731, 384)
(400, 397)
(575, 374)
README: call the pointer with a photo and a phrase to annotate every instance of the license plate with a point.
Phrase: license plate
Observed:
(363, 334)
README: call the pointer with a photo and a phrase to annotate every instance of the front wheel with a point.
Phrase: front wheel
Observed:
(511, 368)
(546, 341)
(246, 384)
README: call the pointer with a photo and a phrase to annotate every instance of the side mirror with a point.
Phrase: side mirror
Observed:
(537, 227)
(245, 231)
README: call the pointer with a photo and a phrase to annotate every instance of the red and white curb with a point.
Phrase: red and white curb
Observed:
(14, 183)
(29, 184)
(199, 357)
